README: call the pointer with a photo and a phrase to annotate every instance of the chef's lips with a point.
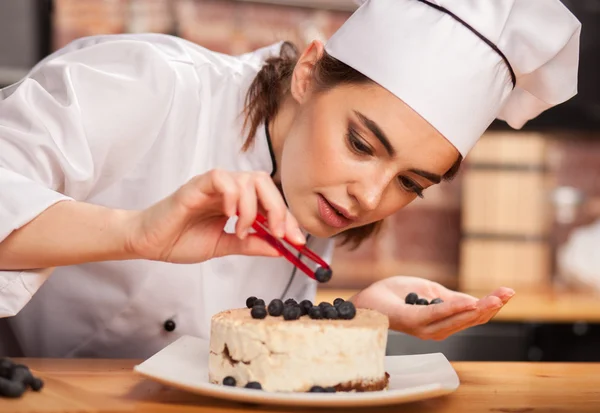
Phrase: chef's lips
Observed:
(322, 274)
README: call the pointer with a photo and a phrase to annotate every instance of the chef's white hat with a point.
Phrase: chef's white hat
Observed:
(460, 64)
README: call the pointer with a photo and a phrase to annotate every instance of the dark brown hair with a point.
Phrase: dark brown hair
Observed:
(272, 84)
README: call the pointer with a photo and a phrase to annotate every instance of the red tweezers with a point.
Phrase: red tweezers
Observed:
(322, 274)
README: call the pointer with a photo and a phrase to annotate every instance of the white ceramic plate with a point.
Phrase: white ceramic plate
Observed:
(184, 365)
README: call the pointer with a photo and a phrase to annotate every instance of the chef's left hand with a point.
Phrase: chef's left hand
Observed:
(435, 321)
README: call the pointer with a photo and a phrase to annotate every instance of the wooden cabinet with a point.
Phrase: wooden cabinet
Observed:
(506, 213)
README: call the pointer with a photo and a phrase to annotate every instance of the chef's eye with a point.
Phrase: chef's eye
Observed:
(411, 186)
(356, 143)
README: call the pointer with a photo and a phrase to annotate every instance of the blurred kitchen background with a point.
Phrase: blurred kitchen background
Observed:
(524, 212)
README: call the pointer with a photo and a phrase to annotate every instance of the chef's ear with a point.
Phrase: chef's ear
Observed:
(302, 78)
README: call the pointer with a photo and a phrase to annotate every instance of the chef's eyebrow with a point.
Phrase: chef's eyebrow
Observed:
(376, 130)
(381, 137)
(435, 178)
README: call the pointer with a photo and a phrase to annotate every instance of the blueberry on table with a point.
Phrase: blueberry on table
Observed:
(21, 374)
(315, 313)
(250, 301)
(253, 385)
(275, 308)
(422, 301)
(291, 312)
(12, 389)
(37, 384)
(411, 298)
(258, 312)
(346, 310)
(16, 378)
(330, 313)
(330, 389)
(305, 305)
(338, 301)
(437, 301)
(6, 366)
(229, 381)
(259, 302)
(317, 389)
(323, 305)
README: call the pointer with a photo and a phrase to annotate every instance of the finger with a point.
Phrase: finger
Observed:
(491, 312)
(215, 185)
(483, 318)
(489, 302)
(247, 205)
(504, 294)
(446, 294)
(444, 327)
(292, 229)
(272, 201)
(230, 244)
(484, 306)
(224, 184)
(435, 312)
(451, 325)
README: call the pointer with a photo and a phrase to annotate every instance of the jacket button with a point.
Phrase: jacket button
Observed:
(169, 325)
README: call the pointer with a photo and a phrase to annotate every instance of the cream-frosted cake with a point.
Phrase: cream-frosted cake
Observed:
(299, 347)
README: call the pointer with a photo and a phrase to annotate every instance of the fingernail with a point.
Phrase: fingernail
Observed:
(299, 237)
(280, 233)
(244, 234)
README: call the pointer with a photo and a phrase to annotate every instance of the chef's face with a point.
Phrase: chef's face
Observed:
(355, 154)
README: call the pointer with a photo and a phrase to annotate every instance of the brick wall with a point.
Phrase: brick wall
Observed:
(222, 25)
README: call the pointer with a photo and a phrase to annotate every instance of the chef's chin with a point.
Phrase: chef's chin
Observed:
(316, 228)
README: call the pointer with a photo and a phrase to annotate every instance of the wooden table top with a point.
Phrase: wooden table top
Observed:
(551, 306)
(73, 385)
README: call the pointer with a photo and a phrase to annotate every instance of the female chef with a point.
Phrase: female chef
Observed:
(132, 166)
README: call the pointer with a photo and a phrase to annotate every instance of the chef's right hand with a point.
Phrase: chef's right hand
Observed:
(188, 226)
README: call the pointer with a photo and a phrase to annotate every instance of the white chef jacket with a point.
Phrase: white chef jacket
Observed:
(122, 121)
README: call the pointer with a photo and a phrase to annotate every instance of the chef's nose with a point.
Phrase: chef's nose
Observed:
(369, 190)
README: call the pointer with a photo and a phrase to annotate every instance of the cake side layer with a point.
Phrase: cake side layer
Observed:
(296, 355)
(364, 385)
(356, 386)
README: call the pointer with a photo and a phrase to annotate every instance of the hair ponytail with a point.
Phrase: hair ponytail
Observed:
(268, 89)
